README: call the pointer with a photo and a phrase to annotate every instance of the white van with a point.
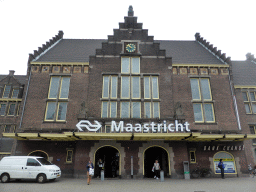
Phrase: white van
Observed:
(28, 167)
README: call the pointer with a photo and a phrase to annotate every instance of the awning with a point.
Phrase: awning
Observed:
(72, 136)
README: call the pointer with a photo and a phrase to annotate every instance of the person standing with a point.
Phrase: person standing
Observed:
(89, 166)
(222, 167)
(157, 169)
(101, 167)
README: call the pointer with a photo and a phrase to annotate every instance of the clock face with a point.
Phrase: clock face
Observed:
(130, 47)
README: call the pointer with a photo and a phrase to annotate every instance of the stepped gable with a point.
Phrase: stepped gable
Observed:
(217, 53)
(244, 71)
(45, 47)
(130, 31)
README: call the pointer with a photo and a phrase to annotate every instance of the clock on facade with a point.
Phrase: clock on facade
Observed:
(130, 47)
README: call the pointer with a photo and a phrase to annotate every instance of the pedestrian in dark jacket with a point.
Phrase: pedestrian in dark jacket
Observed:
(221, 166)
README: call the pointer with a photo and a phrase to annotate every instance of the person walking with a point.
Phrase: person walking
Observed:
(157, 169)
(101, 167)
(222, 167)
(89, 166)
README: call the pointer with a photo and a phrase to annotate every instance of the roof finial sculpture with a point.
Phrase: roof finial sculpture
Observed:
(130, 12)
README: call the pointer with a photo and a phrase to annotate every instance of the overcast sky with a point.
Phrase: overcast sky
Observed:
(27, 24)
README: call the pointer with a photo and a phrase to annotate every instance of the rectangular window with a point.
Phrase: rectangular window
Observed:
(50, 111)
(202, 100)
(195, 89)
(249, 102)
(125, 65)
(125, 110)
(147, 92)
(136, 110)
(198, 112)
(64, 89)
(56, 110)
(11, 110)
(104, 112)
(130, 65)
(54, 88)
(114, 83)
(135, 87)
(155, 88)
(205, 89)
(7, 128)
(62, 110)
(7, 90)
(109, 88)
(156, 111)
(105, 92)
(253, 131)
(125, 87)
(15, 93)
(208, 110)
(69, 156)
(192, 156)
(147, 110)
(113, 109)
(135, 62)
(108, 129)
(151, 89)
(2, 109)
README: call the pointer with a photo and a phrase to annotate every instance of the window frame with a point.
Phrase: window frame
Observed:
(190, 158)
(9, 128)
(5, 90)
(9, 107)
(58, 100)
(71, 157)
(249, 101)
(102, 109)
(14, 89)
(6, 104)
(202, 101)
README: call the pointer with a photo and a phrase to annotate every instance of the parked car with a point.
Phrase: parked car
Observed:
(28, 167)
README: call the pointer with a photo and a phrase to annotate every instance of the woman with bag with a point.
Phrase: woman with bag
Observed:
(90, 171)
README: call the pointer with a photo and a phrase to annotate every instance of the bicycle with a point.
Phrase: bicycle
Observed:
(251, 171)
(204, 172)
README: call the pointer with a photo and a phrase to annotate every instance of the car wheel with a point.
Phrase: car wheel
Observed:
(41, 178)
(5, 178)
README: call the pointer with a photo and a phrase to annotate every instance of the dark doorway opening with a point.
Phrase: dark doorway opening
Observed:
(152, 154)
(39, 154)
(110, 157)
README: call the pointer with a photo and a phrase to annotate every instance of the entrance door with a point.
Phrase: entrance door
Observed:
(110, 157)
(152, 154)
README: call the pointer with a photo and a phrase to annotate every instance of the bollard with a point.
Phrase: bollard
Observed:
(102, 175)
(162, 176)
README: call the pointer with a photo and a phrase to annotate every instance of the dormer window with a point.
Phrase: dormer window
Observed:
(7, 90)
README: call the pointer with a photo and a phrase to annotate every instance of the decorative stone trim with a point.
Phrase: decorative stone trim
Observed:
(161, 144)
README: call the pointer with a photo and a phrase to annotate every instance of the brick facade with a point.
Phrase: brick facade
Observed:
(86, 65)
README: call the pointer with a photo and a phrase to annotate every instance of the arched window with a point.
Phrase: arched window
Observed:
(228, 160)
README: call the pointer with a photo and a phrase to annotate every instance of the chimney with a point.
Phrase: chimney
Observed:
(11, 72)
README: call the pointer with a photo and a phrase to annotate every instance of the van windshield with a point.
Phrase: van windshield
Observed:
(43, 161)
